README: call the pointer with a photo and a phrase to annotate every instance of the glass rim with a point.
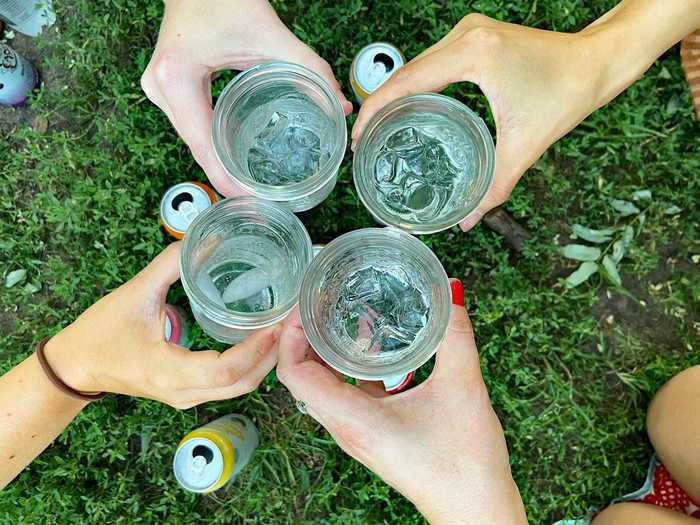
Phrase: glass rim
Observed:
(426, 347)
(295, 190)
(205, 220)
(365, 189)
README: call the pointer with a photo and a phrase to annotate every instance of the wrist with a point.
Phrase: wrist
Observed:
(67, 363)
(618, 63)
(475, 504)
(628, 39)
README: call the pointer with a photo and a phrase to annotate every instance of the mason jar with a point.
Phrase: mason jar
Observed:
(242, 264)
(280, 133)
(375, 303)
(423, 163)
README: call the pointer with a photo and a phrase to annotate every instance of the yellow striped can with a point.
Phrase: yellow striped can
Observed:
(212, 456)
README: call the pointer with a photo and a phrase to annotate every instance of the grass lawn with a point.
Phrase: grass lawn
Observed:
(570, 372)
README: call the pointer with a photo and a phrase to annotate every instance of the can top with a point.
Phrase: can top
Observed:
(182, 203)
(374, 64)
(198, 464)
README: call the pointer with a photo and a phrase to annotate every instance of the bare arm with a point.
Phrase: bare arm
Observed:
(34, 413)
(635, 33)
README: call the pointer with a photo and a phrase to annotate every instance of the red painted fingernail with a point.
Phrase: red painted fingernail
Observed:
(457, 292)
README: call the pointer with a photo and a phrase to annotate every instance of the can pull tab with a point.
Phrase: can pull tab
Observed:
(201, 457)
(188, 210)
(199, 463)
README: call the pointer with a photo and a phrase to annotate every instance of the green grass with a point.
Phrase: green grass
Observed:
(78, 210)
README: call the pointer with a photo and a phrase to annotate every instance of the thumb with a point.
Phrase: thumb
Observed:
(160, 273)
(457, 356)
(508, 170)
(308, 58)
(328, 399)
(186, 94)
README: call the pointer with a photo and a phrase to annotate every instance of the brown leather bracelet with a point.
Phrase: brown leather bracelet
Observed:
(57, 382)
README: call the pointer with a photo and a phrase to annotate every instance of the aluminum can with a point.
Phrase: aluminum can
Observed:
(177, 327)
(182, 203)
(18, 77)
(373, 66)
(211, 456)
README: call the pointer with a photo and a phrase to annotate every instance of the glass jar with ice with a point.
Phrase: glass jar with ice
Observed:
(242, 264)
(375, 303)
(280, 133)
(423, 163)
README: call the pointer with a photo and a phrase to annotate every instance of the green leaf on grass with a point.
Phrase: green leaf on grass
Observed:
(32, 288)
(642, 195)
(673, 105)
(580, 252)
(581, 274)
(15, 277)
(673, 210)
(590, 235)
(618, 251)
(611, 271)
(627, 236)
(624, 208)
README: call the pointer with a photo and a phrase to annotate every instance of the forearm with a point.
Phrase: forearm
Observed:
(629, 38)
(33, 413)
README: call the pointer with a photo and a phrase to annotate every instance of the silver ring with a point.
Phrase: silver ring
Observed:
(301, 407)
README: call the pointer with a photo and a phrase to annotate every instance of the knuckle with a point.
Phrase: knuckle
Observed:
(500, 195)
(283, 375)
(160, 382)
(485, 37)
(400, 77)
(247, 384)
(227, 377)
(471, 20)
(163, 70)
(147, 84)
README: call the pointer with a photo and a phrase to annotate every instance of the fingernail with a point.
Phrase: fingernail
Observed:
(457, 292)
(473, 218)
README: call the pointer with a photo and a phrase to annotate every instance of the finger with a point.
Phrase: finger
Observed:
(312, 355)
(508, 170)
(156, 278)
(187, 93)
(309, 59)
(430, 73)
(327, 398)
(243, 365)
(246, 383)
(372, 388)
(457, 356)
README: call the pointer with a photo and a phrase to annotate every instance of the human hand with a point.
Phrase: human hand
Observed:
(440, 443)
(199, 38)
(540, 85)
(118, 345)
